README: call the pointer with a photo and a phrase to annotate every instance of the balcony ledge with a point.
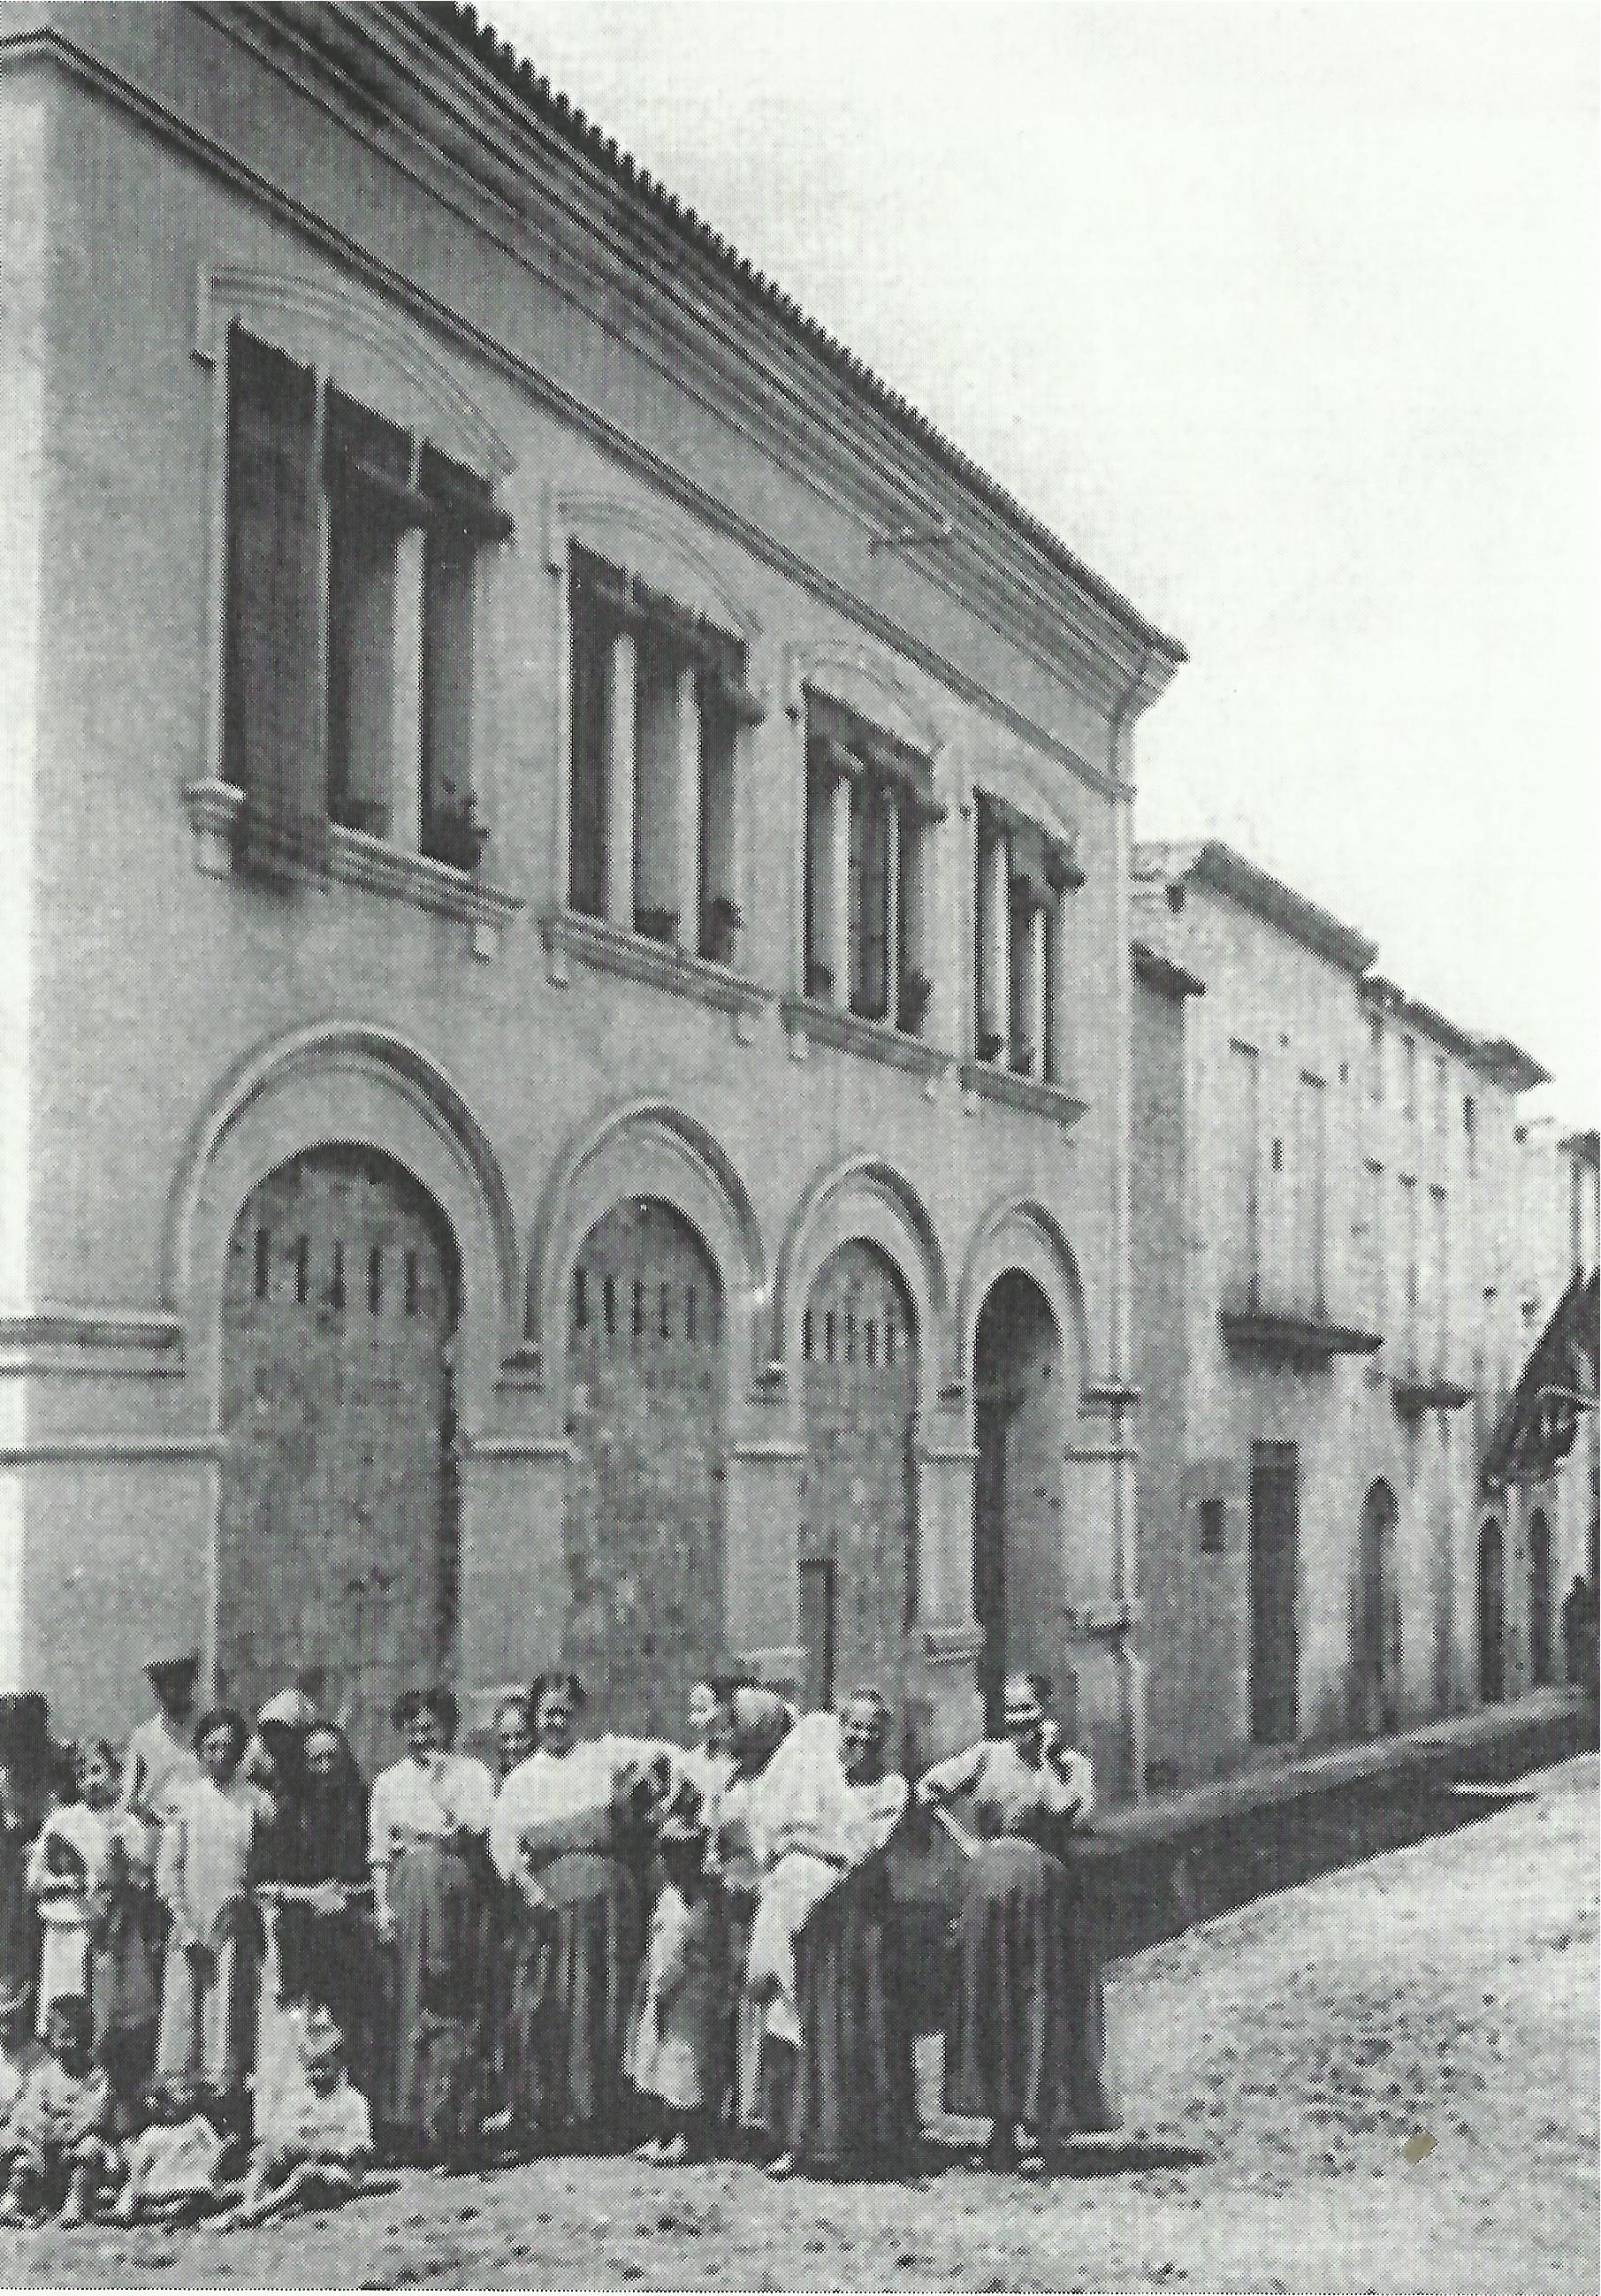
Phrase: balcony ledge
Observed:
(1417, 1394)
(808, 1019)
(350, 857)
(569, 933)
(1296, 1338)
(1028, 1093)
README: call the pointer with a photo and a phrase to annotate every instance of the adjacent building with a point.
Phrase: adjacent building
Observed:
(566, 1011)
(1327, 1177)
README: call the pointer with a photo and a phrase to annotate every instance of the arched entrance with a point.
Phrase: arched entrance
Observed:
(645, 1512)
(859, 1518)
(1541, 1647)
(1380, 1630)
(337, 1521)
(1017, 1564)
(1492, 1614)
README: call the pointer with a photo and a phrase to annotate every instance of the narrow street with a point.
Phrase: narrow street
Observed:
(1273, 2066)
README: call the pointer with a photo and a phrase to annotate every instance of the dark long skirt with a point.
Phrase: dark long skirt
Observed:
(855, 2109)
(431, 2076)
(328, 1961)
(19, 1916)
(1025, 2034)
(572, 1989)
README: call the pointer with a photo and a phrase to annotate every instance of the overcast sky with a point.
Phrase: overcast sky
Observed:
(1284, 317)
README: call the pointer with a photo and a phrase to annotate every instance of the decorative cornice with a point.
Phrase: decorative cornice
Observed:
(958, 1645)
(831, 1024)
(1107, 1621)
(659, 963)
(1420, 1393)
(1108, 1397)
(1037, 628)
(1028, 1093)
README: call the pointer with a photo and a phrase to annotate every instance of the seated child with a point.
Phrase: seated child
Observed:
(318, 2142)
(20, 2052)
(62, 2158)
(178, 2167)
(674, 2046)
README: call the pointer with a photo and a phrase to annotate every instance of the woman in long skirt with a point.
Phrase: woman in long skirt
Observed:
(563, 1835)
(825, 1959)
(1024, 2032)
(315, 1878)
(509, 1914)
(430, 1816)
(208, 1863)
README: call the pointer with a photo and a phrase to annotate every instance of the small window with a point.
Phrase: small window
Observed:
(1023, 876)
(352, 555)
(659, 696)
(1213, 1540)
(869, 807)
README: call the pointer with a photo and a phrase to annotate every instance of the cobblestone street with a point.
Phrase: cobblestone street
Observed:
(1273, 2066)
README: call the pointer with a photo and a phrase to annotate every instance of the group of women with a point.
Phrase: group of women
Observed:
(485, 1940)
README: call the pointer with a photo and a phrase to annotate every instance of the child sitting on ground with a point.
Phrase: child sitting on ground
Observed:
(178, 2168)
(318, 2143)
(20, 2052)
(674, 2052)
(62, 2158)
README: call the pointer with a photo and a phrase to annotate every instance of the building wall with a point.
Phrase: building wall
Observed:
(1359, 1416)
(190, 1029)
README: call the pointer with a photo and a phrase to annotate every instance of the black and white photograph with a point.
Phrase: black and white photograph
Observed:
(800, 1188)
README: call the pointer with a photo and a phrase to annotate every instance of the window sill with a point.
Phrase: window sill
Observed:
(1293, 1338)
(810, 1021)
(1423, 1392)
(352, 858)
(569, 933)
(1040, 1099)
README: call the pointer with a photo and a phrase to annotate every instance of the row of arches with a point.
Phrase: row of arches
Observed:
(350, 1376)
(1379, 1652)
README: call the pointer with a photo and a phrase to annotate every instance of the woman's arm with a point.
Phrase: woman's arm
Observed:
(170, 1860)
(954, 1775)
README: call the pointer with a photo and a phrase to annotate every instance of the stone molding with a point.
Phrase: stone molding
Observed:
(807, 1019)
(1030, 1092)
(568, 934)
(52, 1341)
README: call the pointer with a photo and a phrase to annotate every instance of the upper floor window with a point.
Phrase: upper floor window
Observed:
(1442, 1095)
(1023, 876)
(869, 808)
(352, 557)
(1408, 1061)
(1470, 1131)
(659, 696)
(1375, 1057)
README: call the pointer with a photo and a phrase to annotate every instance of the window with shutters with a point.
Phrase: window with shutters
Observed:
(659, 697)
(1023, 875)
(869, 810)
(352, 562)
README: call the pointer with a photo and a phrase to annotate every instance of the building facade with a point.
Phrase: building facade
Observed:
(566, 1025)
(1327, 1182)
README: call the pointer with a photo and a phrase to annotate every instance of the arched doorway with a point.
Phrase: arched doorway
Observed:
(337, 1521)
(1541, 1645)
(1017, 1562)
(1492, 1614)
(644, 1514)
(859, 1518)
(1380, 1645)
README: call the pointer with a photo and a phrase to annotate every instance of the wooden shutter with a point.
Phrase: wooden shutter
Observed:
(271, 748)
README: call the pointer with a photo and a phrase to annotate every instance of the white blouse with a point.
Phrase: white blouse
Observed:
(580, 1784)
(425, 1802)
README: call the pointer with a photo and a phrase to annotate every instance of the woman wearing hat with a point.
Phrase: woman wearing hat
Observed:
(1023, 2032)
(566, 1835)
(429, 1815)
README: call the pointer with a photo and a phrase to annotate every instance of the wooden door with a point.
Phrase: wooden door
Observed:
(644, 1514)
(1541, 1647)
(1381, 1621)
(1275, 1540)
(990, 1415)
(1492, 1615)
(857, 1511)
(337, 1548)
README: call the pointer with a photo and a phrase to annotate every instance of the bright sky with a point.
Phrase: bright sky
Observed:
(1284, 317)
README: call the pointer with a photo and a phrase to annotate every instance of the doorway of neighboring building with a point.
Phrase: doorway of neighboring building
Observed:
(859, 1520)
(644, 1513)
(1018, 1579)
(1492, 1614)
(1275, 1570)
(1379, 1652)
(337, 1519)
(1541, 1640)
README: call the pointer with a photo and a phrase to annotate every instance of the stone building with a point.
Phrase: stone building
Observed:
(1326, 1190)
(564, 1004)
